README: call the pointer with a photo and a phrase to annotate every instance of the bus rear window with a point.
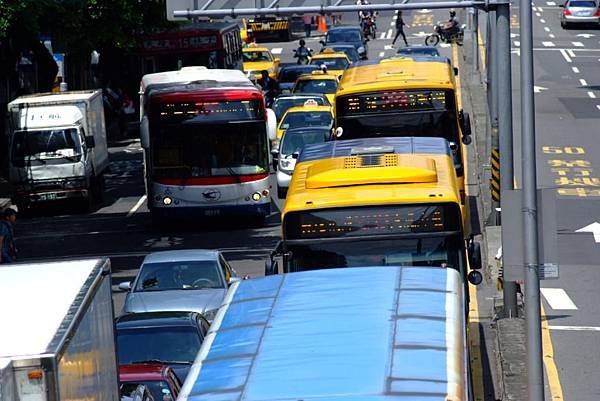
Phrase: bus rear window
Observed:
(395, 101)
(211, 111)
(366, 221)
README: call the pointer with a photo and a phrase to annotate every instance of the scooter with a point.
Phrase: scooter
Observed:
(442, 35)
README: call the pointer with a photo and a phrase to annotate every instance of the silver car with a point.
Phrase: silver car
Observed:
(579, 12)
(193, 280)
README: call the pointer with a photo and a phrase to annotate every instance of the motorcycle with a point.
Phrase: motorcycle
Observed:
(369, 27)
(303, 54)
(441, 34)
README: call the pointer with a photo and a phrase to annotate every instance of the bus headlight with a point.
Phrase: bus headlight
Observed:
(167, 200)
(256, 196)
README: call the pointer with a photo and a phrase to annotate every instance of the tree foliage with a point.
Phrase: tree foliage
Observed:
(79, 26)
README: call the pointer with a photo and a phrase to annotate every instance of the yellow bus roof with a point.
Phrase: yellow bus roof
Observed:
(405, 73)
(372, 179)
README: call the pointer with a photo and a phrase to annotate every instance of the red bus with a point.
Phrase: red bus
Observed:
(209, 44)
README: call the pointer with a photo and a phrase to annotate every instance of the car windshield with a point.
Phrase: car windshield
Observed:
(307, 119)
(167, 344)
(291, 74)
(583, 4)
(257, 56)
(444, 251)
(343, 36)
(351, 52)
(281, 105)
(46, 145)
(417, 51)
(316, 86)
(158, 388)
(295, 141)
(187, 275)
(332, 63)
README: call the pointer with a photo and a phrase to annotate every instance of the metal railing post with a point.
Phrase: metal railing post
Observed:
(505, 131)
(475, 38)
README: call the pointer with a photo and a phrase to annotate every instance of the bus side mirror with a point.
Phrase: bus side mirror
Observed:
(145, 132)
(474, 252)
(465, 125)
(271, 266)
(475, 277)
(271, 124)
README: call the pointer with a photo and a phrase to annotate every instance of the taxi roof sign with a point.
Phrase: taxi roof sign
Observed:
(311, 102)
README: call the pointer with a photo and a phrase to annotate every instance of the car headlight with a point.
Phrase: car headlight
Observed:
(210, 315)
(361, 49)
(286, 165)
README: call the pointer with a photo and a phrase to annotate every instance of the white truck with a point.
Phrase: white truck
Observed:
(58, 147)
(57, 338)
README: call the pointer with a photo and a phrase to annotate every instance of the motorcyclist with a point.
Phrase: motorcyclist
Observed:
(363, 15)
(302, 53)
(451, 27)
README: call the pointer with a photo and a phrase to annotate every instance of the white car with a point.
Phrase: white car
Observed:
(290, 146)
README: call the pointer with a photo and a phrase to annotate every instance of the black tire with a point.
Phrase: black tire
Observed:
(281, 192)
(432, 40)
(564, 25)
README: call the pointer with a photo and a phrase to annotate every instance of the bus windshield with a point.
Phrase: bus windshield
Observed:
(436, 251)
(210, 150)
(416, 113)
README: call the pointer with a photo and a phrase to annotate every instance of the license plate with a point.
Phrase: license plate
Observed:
(212, 212)
(47, 197)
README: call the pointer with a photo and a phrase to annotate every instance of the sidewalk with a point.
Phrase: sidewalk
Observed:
(502, 340)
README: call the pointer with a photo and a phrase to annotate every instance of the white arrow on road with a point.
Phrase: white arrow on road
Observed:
(538, 89)
(593, 228)
(586, 35)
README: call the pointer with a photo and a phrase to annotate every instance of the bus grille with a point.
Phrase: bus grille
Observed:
(367, 161)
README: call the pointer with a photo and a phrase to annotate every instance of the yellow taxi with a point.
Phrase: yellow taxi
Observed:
(317, 82)
(336, 63)
(257, 59)
(309, 115)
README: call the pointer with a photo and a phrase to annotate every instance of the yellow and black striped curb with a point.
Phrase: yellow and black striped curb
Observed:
(495, 180)
(268, 26)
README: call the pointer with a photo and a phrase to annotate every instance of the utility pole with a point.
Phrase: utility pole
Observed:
(493, 84)
(475, 38)
(505, 133)
(535, 374)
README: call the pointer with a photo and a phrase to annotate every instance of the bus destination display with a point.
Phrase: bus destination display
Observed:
(394, 101)
(369, 221)
(211, 111)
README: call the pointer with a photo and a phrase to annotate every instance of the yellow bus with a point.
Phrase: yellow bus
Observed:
(374, 202)
(404, 97)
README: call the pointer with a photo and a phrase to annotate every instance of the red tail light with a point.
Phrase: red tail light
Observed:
(597, 13)
(567, 12)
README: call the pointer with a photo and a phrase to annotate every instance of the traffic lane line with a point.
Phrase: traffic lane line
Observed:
(136, 206)
(575, 328)
(558, 299)
(556, 391)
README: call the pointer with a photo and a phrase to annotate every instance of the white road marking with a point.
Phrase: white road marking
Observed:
(582, 82)
(382, 36)
(395, 17)
(514, 35)
(575, 70)
(517, 43)
(423, 11)
(277, 50)
(557, 298)
(591, 95)
(389, 34)
(543, 21)
(575, 328)
(550, 3)
(392, 23)
(566, 56)
(136, 206)
(578, 44)
(546, 29)
(381, 54)
(445, 45)
(598, 106)
(538, 14)
(552, 36)
(549, 44)
(571, 52)
(538, 89)
(585, 35)
(388, 47)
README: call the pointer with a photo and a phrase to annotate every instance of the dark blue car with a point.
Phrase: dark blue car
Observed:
(347, 35)
(170, 338)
